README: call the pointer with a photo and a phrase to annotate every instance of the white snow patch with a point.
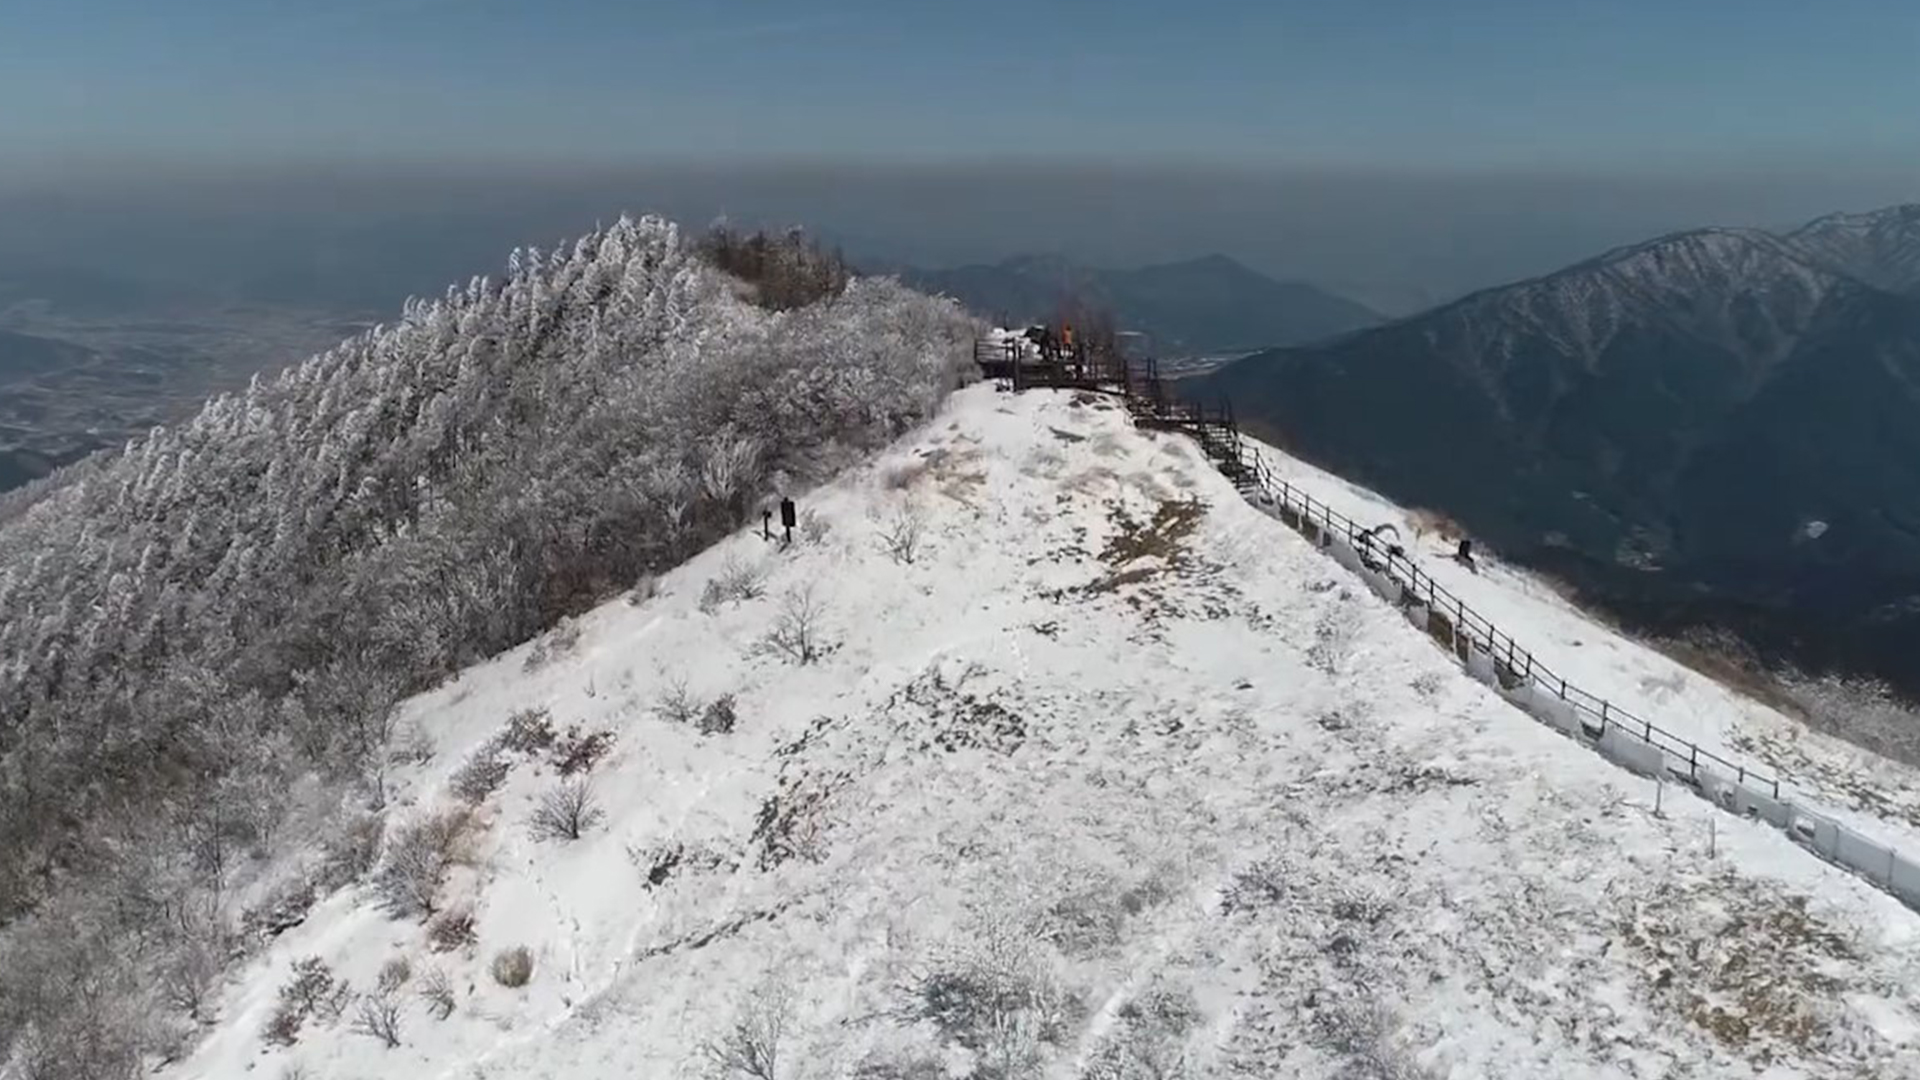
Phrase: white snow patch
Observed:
(1117, 774)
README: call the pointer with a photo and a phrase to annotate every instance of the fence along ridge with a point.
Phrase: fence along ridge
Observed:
(1488, 654)
(1519, 676)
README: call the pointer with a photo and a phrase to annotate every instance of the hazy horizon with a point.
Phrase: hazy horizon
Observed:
(1397, 149)
(371, 235)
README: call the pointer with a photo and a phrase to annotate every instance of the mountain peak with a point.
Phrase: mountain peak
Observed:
(1698, 255)
(1212, 304)
(1880, 247)
(1713, 286)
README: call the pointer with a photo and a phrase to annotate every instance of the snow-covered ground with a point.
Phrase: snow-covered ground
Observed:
(1870, 794)
(1115, 777)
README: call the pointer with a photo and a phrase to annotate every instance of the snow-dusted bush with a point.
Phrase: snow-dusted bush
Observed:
(351, 851)
(311, 993)
(643, 590)
(813, 528)
(786, 271)
(418, 859)
(901, 531)
(512, 967)
(750, 1045)
(1262, 884)
(284, 906)
(553, 644)
(451, 930)
(1362, 1032)
(739, 580)
(884, 1065)
(996, 996)
(797, 632)
(1147, 1039)
(394, 974)
(1865, 712)
(676, 704)
(527, 731)
(718, 717)
(437, 990)
(565, 812)
(378, 1018)
(579, 751)
(480, 775)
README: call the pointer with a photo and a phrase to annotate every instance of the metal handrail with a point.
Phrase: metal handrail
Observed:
(1498, 644)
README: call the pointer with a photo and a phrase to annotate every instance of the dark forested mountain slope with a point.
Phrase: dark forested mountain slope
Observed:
(1710, 427)
(1206, 305)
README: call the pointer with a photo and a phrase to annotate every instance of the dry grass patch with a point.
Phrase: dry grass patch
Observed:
(1753, 969)
(1162, 537)
(1427, 523)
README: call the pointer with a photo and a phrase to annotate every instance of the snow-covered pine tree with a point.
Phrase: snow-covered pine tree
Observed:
(280, 569)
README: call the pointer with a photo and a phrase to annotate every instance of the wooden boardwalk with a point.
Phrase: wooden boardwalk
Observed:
(1014, 365)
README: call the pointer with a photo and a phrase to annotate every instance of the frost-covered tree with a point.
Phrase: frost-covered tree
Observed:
(227, 611)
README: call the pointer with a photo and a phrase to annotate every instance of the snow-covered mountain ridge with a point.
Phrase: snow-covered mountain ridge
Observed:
(1658, 427)
(1881, 247)
(1099, 771)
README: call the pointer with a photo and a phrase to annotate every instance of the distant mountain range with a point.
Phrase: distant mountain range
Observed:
(1719, 426)
(1206, 305)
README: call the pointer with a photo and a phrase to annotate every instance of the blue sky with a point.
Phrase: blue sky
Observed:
(1626, 85)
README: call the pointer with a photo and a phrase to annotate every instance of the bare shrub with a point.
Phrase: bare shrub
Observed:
(451, 930)
(1865, 712)
(738, 580)
(512, 967)
(995, 997)
(1433, 523)
(1363, 1032)
(410, 746)
(813, 528)
(1147, 1038)
(527, 731)
(751, 1045)
(785, 271)
(578, 752)
(312, 993)
(283, 1026)
(881, 1065)
(1261, 885)
(676, 704)
(480, 775)
(643, 590)
(418, 860)
(283, 907)
(797, 632)
(718, 717)
(1085, 921)
(379, 1018)
(437, 990)
(350, 852)
(901, 533)
(188, 977)
(565, 812)
(904, 475)
(394, 974)
(556, 643)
